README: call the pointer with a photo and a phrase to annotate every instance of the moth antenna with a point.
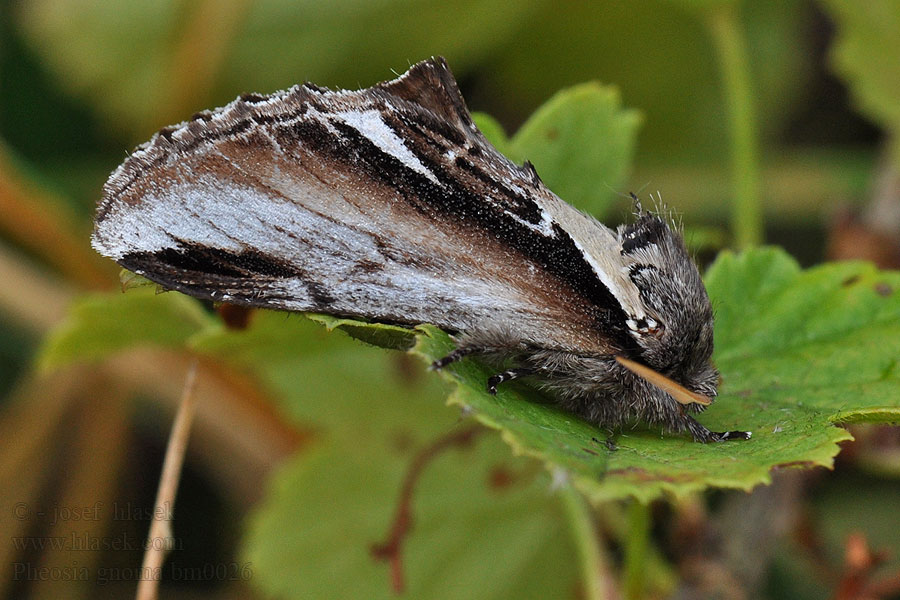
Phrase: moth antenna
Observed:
(617, 192)
(638, 210)
(681, 394)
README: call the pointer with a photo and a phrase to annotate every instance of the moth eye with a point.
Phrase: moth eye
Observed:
(648, 326)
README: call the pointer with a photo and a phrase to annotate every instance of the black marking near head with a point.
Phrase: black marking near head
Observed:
(646, 231)
(638, 271)
(671, 289)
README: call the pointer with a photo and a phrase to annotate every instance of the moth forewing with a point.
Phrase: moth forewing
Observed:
(388, 204)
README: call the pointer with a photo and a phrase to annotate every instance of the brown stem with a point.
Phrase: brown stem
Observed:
(392, 549)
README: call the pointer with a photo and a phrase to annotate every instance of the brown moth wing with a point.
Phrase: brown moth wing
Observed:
(385, 203)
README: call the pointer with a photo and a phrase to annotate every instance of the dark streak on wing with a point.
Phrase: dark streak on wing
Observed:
(434, 88)
(216, 261)
(211, 272)
(522, 207)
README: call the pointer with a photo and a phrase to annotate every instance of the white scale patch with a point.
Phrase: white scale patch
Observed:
(168, 216)
(614, 285)
(601, 250)
(372, 126)
(160, 219)
(545, 227)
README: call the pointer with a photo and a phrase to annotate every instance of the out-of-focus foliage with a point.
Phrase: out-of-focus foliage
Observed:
(579, 131)
(865, 53)
(101, 325)
(129, 59)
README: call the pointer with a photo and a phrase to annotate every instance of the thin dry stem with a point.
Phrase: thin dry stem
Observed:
(160, 526)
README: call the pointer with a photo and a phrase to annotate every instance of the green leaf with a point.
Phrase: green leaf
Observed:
(483, 525)
(99, 325)
(581, 142)
(392, 337)
(350, 390)
(474, 506)
(530, 426)
(820, 344)
(799, 352)
(867, 54)
(493, 131)
(375, 410)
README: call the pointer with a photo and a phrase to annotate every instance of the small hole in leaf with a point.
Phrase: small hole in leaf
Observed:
(883, 289)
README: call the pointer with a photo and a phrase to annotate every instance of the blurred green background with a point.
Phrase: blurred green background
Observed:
(82, 82)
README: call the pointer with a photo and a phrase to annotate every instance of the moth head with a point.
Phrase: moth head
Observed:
(675, 333)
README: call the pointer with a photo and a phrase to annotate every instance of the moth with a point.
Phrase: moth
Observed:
(388, 204)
